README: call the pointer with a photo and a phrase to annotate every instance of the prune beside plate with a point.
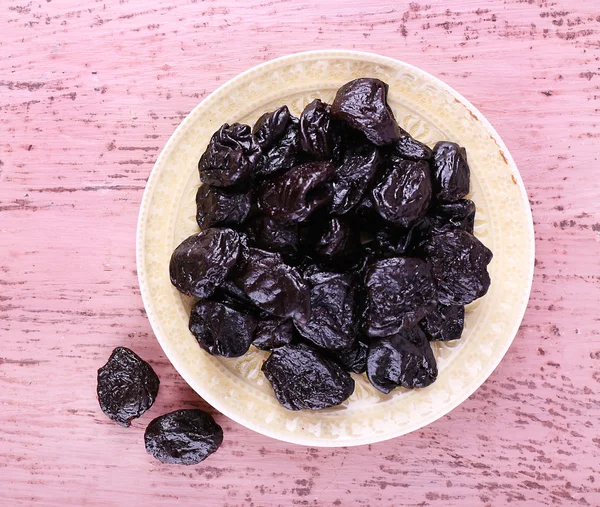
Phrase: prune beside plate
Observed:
(127, 386)
(183, 437)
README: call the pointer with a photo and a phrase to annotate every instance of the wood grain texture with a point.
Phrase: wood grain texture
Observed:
(89, 93)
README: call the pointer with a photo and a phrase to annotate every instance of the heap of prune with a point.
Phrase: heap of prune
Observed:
(337, 242)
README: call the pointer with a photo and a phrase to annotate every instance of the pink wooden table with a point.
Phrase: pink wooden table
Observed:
(90, 90)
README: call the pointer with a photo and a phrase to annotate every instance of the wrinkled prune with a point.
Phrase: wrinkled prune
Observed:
(183, 437)
(202, 262)
(362, 104)
(445, 323)
(271, 334)
(332, 324)
(303, 379)
(404, 193)
(459, 214)
(392, 242)
(220, 329)
(219, 206)
(352, 178)
(450, 172)
(339, 242)
(353, 359)
(278, 135)
(231, 157)
(315, 136)
(127, 386)
(268, 234)
(399, 293)
(404, 359)
(407, 147)
(459, 264)
(296, 194)
(273, 285)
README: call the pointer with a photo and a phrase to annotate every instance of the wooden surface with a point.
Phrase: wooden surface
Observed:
(89, 93)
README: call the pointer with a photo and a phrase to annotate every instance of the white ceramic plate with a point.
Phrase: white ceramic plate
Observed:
(430, 111)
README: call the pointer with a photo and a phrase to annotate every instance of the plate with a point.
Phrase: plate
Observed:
(430, 110)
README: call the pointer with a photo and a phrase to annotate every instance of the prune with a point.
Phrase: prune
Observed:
(459, 214)
(315, 137)
(352, 359)
(296, 194)
(271, 334)
(339, 242)
(459, 264)
(352, 178)
(404, 193)
(278, 135)
(231, 295)
(222, 330)
(407, 147)
(268, 234)
(399, 292)
(219, 206)
(231, 157)
(127, 386)
(183, 437)
(404, 359)
(202, 262)
(450, 172)
(362, 104)
(445, 323)
(273, 285)
(392, 242)
(303, 379)
(333, 320)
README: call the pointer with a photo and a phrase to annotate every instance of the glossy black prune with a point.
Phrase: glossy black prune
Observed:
(451, 175)
(232, 156)
(269, 234)
(274, 333)
(445, 323)
(219, 206)
(404, 193)
(354, 358)
(333, 317)
(183, 437)
(459, 265)
(392, 242)
(272, 285)
(459, 214)
(407, 147)
(297, 193)
(404, 359)
(362, 104)
(220, 329)
(315, 136)
(339, 242)
(127, 386)
(352, 178)
(278, 135)
(304, 379)
(202, 262)
(399, 292)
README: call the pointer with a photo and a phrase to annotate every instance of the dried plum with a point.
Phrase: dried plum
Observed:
(362, 104)
(450, 172)
(404, 359)
(459, 214)
(339, 242)
(407, 147)
(271, 127)
(219, 206)
(399, 292)
(352, 178)
(127, 386)
(315, 137)
(392, 242)
(404, 193)
(459, 264)
(271, 334)
(183, 437)
(269, 234)
(231, 157)
(354, 358)
(445, 323)
(304, 379)
(202, 262)
(222, 330)
(333, 320)
(273, 285)
(296, 194)
(278, 135)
